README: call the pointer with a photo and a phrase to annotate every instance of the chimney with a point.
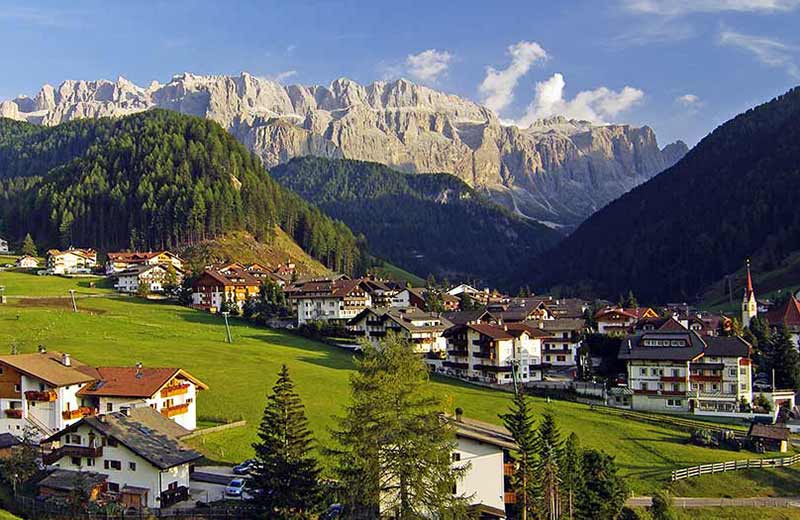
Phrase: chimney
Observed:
(139, 370)
(65, 360)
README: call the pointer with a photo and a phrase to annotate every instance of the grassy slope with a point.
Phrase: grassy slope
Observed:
(21, 283)
(242, 247)
(729, 513)
(5, 515)
(767, 284)
(392, 272)
(774, 482)
(124, 331)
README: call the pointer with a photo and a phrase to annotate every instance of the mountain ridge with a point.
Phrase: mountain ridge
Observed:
(557, 171)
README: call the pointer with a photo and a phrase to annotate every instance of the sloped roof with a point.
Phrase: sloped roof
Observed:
(7, 441)
(563, 324)
(68, 480)
(463, 317)
(726, 346)
(145, 432)
(698, 346)
(483, 432)
(769, 431)
(788, 314)
(491, 331)
(49, 368)
(133, 257)
(133, 382)
(535, 332)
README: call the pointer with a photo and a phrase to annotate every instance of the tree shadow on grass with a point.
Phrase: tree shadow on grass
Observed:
(325, 355)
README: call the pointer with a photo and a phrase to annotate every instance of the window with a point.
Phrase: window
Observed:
(456, 456)
(90, 462)
(674, 403)
(109, 407)
(676, 372)
(112, 442)
(132, 466)
(76, 461)
(561, 358)
(642, 371)
(732, 372)
(644, 385)
(114, 488)
(743, 371)
(1, 371)
(16, 388)
(676, 387)
(743, 386)
(112, 464)
(73, 439)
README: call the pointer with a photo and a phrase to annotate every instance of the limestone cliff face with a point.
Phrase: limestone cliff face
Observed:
(558, 171)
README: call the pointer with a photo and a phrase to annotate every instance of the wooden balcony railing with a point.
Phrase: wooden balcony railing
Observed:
(508, 469)
(172, 411)
(509, 497)
(180, 389)
(14, 413)
(711, 379)
(69, 450)
(78, 413)
(47, 395)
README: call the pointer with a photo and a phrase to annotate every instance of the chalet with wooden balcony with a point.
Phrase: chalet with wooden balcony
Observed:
(487, 448)
(231, 284)
(423, 330)
(49, 391)
(619, 321)
(71, 261)
(491, 353)
(170, 391)
(680, 371)
(337, 300)
(562, 340)
(137, 452)
(520, 309)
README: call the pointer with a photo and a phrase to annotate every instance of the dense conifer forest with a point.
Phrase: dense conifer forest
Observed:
(426, 223)
(734, 195)
(151, 180)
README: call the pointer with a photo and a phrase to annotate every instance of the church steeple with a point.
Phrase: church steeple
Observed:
(749, 305)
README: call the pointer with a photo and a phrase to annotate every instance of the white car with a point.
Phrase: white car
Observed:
(235, 488)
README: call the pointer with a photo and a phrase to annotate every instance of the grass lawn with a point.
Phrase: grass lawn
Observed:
(123, 331)
(396, 273)
(22, 283)
(5, 515)
(772, 482)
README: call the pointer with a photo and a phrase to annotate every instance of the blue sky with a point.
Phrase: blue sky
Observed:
(680, 66)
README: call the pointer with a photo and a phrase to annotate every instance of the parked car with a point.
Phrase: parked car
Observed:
(333, 512)
(245, 467)
(235, 488)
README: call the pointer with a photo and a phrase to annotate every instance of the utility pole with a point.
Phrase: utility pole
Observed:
(2, 294)
(228, 337)
(74, 305)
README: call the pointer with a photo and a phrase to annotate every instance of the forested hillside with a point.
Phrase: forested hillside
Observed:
(151, 180)
(432, 223)
(734, 195)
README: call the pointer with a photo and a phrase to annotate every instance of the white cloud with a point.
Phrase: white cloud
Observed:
(655, 30)
(428, 65)
(681, 7)
(688, 100)
(769, 52)
(283, 76)
(497, 88)
(599, 105)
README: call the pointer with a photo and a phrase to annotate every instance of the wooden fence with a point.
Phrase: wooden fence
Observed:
(733, 465)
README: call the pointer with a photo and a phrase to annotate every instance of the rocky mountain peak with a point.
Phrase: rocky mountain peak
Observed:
(558, 170)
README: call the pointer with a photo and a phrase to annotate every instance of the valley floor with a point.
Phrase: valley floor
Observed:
(126, 330)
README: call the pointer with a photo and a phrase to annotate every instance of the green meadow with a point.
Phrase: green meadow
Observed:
(126, 330)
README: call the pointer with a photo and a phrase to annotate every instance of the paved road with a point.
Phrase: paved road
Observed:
(692, 502)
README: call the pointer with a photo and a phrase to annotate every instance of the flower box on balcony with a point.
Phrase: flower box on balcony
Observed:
(175, 410)
(78, 413)
(47, 395)
(169, 391)
(14, 413)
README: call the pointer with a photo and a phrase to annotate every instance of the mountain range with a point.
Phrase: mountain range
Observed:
(556, 171)
(733, 196)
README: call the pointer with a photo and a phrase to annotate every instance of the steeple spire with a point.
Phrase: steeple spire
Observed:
(749, 279)
(749, 304)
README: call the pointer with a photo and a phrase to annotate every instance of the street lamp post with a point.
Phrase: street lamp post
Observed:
(228, 337)
(74, 305)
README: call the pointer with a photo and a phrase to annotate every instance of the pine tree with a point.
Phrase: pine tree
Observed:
(28, 246)
(393, 453)
(604, 491)
(519, 421)
(784, 359)
(571, 473)
(548, 446)
(630, 301)
(286, 473)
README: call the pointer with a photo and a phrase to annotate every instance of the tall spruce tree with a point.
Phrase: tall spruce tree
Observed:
(393, 453)
(519, 421)
(784, 359)
(29, 246)
(571, 468)
(287, 472)
(604, 491)
(548, 447)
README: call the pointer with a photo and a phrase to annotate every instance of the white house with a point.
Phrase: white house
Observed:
(485, 447)
(27, 262)
(137, 450)
(50, 391)
(119, 262)
(3, 245)
(71, 261)
(154, 277)
(424, 330)
(681, 371)
(490, 353)
(328, 300)
(564, 336)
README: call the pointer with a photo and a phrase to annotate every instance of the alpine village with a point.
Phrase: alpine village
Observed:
(235, 296)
